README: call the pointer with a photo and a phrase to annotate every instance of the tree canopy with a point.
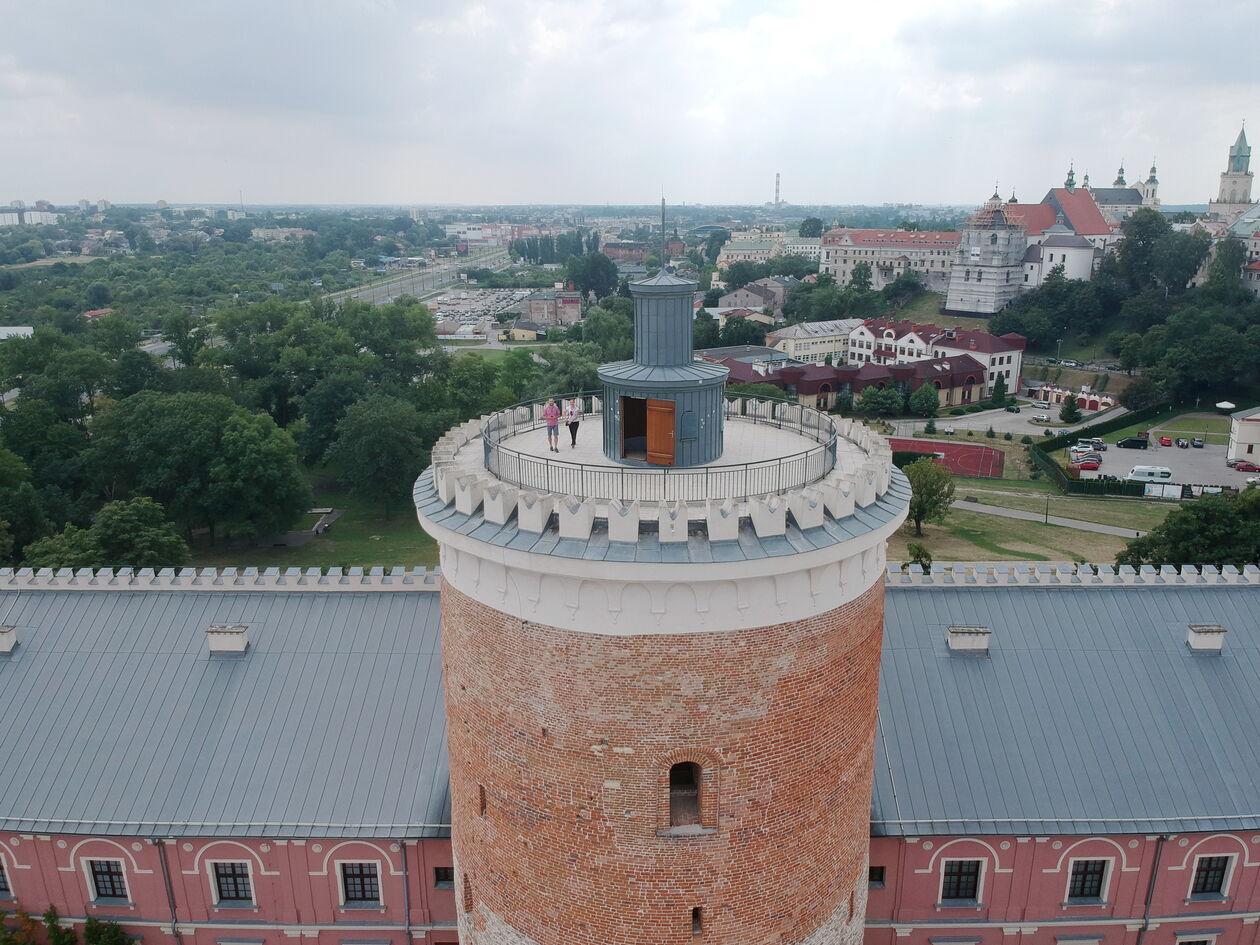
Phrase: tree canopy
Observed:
(931, 492)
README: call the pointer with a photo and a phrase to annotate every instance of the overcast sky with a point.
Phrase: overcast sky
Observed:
(593, 101)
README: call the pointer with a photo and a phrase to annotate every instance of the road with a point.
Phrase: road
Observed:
(1002, 421)
(419, 282)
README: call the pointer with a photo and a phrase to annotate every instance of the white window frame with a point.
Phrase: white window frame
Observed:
(86, 863)
(232, 903)
(1209, 937)
(11, 895)
(380, 884)
(940, 888)
(1106, 883)
(1211, 897)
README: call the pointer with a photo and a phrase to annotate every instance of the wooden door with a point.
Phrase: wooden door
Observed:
(660, 432)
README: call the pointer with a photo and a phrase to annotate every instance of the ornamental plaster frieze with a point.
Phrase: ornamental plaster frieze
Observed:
(632, 599)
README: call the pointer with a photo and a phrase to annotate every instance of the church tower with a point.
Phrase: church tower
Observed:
(1150, 188)
(1234, 197)
(988, 267)
(661, 655)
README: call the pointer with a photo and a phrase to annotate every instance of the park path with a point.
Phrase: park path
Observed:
(1052, 520)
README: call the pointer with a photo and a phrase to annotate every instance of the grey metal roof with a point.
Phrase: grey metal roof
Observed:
(117, 719)
(1122, 196)
(690, 373)
(1090, 713)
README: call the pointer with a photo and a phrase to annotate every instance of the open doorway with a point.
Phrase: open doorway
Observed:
(634, 428)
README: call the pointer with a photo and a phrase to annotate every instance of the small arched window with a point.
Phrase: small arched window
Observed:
(684, 794)
(993, 240)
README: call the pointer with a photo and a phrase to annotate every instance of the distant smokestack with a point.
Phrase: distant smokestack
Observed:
(776, 189)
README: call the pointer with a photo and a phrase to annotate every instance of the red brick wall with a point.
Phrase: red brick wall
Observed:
(571, 735)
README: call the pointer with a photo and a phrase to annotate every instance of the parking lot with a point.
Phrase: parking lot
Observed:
(1205, 466)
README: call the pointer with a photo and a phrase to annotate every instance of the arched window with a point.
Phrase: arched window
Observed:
(993, 240)
(684, 794)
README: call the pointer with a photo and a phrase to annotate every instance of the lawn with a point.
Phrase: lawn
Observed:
(362, 536)
(1137, 514)
(1142, 425)
(974, 536)
(1214, 429)
(925, 309)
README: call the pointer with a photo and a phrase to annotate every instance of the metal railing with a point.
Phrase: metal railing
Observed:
(662, 483)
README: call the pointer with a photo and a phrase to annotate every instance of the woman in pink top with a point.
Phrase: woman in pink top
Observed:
(551, 413)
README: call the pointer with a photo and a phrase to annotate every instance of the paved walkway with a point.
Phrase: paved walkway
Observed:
(1052, 520)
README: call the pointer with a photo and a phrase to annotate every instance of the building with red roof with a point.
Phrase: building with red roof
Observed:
(890, 253)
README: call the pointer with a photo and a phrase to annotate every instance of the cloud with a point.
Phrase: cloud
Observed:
(601, 101)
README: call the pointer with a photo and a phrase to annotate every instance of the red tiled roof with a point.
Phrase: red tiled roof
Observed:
(1082, 213)
(942, 238)
(97, 312)
(1033, 218)
(1254, 266)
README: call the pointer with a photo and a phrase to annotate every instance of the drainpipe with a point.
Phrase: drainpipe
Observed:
(170, 891)
(1150, 889)
(402, 845)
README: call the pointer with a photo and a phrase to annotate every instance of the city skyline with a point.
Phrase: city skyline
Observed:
(585, 103)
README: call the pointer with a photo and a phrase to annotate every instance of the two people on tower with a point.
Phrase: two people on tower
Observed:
(572, 417)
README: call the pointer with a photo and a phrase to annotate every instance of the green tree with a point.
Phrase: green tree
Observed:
(612, 330)
(713, 244)
(379, 450)
(185, 336)
(704, 330)
(1070, 412)
(741, 331)
(919, 555)
(925, 401)
(758, 389)
(1227, 262)
(256, 483)
(931, 492)
(860, 277)
(322, 408)
(113, 335)
(1215, 529)
(1135, 253)
(98, 295)
(811, 228)
(879, 402)
(1140, 394)
(1176, 258)
(471, 380)
(998, 393)
(57, 933)
(131, 533)
(593, 272)
(568, 369)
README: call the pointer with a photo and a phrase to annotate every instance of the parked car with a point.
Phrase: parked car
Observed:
(1197, 442)
(1011, 408)
(1165, 441)
(1133, 443)
(1088, 464)
(1183, 443)
(1253, 480)
(1041, 417)
(1069, 362)
(1244, 466)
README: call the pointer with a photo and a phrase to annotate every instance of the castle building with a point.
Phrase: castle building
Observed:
(1234, 197)
(660, 701)
(889, 253)
(991, 261)
(1120, 201)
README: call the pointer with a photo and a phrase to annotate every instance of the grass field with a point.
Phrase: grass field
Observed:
(974, 536)
(925, 309)
(1137, 514)
(362, 536)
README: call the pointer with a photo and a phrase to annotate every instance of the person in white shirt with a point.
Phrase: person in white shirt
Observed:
(573, 416)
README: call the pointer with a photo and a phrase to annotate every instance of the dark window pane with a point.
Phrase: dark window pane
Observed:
(1087, 879)
(875, 876)
(684, 794)
(1209, 878)
(107, 877)
(444, 877)
(4, 882)
(962, 880)
(232, 881)
(360, 882)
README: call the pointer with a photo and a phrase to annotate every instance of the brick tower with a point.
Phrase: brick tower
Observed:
(661, 655)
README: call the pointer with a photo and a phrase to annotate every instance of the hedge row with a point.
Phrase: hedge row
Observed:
(1098, 429)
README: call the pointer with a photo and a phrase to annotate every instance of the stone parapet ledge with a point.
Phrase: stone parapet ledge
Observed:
(1049, 574)
(857, 480)
(230, 579)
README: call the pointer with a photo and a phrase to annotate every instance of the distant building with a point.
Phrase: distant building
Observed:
(808, 246)
(94, 313)
(1244, 435)
(814, 342)
(526, 331)
(889, 253)
(1120, 201)
(84, 206)
(558, 306)
(882, 341)
(1234, 197)
(276, 234)
(103, 205)
(40, 217)
(414, 213)
(10, 217)
(15, 331)
(754, 251)
(625, 250)
(161, 205)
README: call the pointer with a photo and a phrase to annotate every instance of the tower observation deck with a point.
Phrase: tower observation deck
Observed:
(660, 655)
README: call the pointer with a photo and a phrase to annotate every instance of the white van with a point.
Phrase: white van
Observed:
(1149, 474)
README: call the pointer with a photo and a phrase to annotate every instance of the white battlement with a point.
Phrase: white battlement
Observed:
(1051, 574)
(229, 579)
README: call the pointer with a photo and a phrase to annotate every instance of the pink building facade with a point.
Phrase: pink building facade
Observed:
(1047, 890)
(330, 891)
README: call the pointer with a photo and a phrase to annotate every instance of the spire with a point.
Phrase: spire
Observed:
(664, 252)
(1070, 183)
(1085, 182)
(1152, 179)
(1119, 181)
(1013, 200)
(1240, 153)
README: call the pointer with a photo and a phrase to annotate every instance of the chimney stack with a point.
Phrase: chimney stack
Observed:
(229, 639)
(1205, 638)
(8, 640)
(969, 641)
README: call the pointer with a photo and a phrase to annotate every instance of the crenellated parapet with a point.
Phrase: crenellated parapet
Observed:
(232, 579)
(1068, 574)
